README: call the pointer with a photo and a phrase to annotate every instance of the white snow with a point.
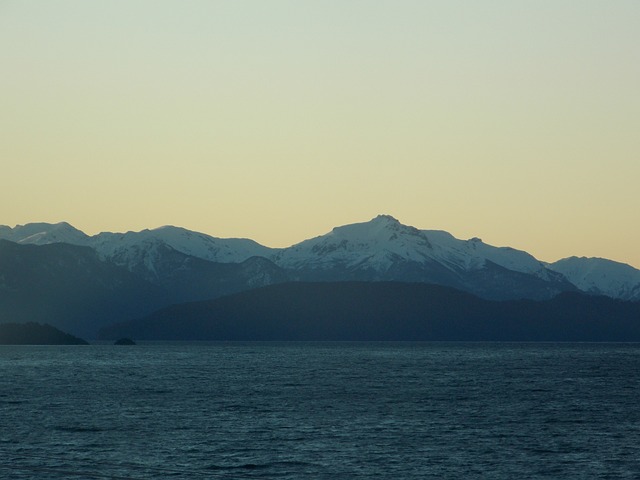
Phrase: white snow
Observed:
(376, 245)
(601, 276)
(224, 250)
(382, 241)
(109, 245)
(378, 242)
(44, 233)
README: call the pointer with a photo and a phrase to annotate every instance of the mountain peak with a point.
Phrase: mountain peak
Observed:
(379, 227)
(601, 276)
(383, 218)
(41, 233)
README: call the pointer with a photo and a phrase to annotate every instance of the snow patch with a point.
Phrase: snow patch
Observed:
(600, 276)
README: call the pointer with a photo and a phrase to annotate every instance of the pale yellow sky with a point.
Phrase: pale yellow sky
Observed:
(513, 121)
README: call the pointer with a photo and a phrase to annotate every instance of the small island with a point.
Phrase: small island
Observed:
(32, 333)
(124, 341)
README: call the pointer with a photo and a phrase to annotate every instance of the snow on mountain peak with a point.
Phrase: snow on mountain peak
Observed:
(380, 228)
(377, 245)
(223, 250)
(382, 241)
(388, 219)
(600, 276)
(44, 233)
(109, 245)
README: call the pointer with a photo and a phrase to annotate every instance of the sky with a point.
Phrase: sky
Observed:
(514, 121)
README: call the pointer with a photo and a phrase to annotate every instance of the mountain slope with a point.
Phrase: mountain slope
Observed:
(384, 249)
(206, 247)
(187, 278)
(381, 249)
(69, 287)
(382, 241)
(35, 334)
(141, 251)
(43, 234)
(600, 276)
(386, 311)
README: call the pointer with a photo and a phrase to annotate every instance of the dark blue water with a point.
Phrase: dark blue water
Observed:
(328, 410)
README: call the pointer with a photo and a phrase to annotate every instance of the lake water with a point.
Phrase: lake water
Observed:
(320, 410)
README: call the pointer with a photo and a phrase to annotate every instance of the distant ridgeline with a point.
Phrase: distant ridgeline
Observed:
(55, 274)
(35, 334)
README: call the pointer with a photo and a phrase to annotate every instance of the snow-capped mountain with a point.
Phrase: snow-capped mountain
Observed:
(44, 233)
(188, 265)
(380, 249)
(601, 276)
(124, 247)
(385, 249)
(380, 243)
(220, 250)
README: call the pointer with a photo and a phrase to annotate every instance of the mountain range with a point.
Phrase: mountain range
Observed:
(92, 281)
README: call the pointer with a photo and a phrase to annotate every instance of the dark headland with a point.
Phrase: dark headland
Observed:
(32, 333)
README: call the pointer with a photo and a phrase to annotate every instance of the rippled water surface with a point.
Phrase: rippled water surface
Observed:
(323, 410)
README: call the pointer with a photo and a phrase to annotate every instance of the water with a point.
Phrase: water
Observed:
(326, 410)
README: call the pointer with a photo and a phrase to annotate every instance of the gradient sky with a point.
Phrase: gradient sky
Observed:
(514, 121)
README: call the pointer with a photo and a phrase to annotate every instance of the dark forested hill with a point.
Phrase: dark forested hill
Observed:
(386, 311)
